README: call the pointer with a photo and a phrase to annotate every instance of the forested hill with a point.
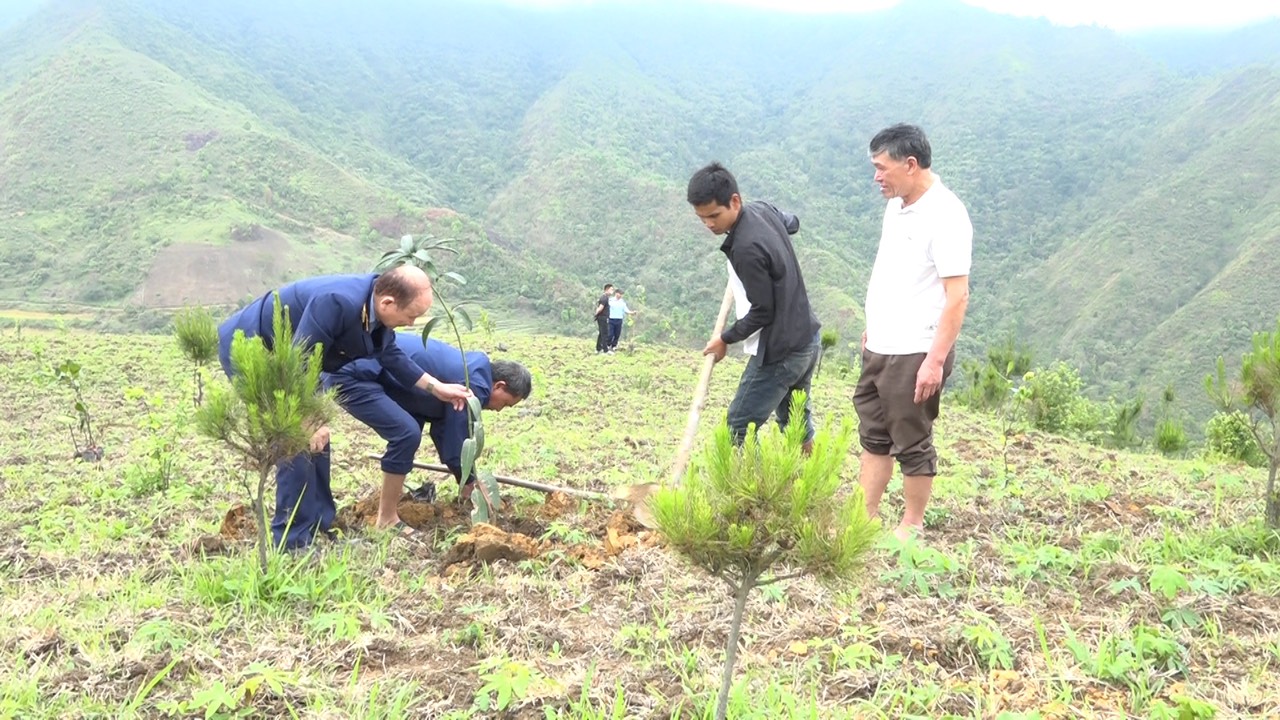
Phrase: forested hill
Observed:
(177, 151)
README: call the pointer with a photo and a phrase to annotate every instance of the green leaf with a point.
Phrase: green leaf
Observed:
(477, 434)
(468, 458)
(455, 277)
(486, 490)
(464, 316)
(406, 244)
(1168, 581)
(431, 325)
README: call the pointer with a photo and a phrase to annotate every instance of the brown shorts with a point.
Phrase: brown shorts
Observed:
(889, 420)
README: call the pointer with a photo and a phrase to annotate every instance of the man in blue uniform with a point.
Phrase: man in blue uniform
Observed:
(374, 396)
(351, 317)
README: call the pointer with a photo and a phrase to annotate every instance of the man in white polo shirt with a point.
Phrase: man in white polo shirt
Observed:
(916, 301)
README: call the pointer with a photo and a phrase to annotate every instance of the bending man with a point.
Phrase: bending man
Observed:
(351, 317)
(375, 397)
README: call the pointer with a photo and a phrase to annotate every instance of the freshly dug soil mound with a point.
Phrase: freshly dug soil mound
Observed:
(238, 524)
(486, 544)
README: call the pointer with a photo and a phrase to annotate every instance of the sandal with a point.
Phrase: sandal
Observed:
(425, 494)
(405, 531)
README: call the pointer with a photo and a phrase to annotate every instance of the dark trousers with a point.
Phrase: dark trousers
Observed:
(766, 390)
(602, 332)
(889, 420)
(304, 501)
(615, 332)
(372, 404)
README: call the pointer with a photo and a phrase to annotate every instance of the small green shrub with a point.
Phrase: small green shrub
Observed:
(1171, 436)
(1227, 435)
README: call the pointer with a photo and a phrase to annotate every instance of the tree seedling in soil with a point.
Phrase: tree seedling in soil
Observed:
(87, 448)
(197, 335)
(1257, 396)
(485, 499)
(745, 509)
(270, 409)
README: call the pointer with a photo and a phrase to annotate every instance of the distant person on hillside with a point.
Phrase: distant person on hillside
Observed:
(374, 396)
(775, 325)
(602, 319)
(618, 311)
(916, 302)
(351, 317)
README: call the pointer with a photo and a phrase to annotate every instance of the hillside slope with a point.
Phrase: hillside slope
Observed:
(141, 137)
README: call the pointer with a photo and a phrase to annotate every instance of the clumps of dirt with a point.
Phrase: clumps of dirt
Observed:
(415, 514)
(623, 531)
(486, 544)
(238, 524)
(512, 537)
(555, 505)
(207, 545)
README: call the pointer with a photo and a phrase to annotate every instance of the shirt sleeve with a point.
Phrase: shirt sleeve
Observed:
(405, 371)
(790, 222)
(448, 435)
(752, 267)
(952, 245)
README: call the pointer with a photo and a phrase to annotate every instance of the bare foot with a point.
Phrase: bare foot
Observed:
(907, 532)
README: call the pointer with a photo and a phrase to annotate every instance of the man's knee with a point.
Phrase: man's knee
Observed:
(874, 444)
(919, 462)
(742, 415)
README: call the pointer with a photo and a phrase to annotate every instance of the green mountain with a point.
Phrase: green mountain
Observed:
(130, 179)
(183, 151)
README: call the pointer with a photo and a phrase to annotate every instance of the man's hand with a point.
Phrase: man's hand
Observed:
(452, 393)
(928, 380)
(319, 439)
(716, 348)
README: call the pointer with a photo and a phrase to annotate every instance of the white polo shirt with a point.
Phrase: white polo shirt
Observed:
(920, 244)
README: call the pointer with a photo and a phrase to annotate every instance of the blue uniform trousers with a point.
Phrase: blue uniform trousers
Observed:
(375, 405)
(304, 500)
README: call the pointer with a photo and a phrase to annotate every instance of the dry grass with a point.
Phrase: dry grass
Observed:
(107, 586)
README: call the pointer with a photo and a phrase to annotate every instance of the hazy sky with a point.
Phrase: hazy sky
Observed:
(1116, 14)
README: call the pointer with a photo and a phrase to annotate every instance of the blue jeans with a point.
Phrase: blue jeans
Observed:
(766, 389)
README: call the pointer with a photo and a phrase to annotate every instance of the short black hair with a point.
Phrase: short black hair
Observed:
(712, 183)
(608, 286)
(516, 376)
(902, 141)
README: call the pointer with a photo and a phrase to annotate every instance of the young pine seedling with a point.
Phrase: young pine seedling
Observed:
(744, 511)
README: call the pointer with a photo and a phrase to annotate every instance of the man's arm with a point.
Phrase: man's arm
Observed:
(929, 379)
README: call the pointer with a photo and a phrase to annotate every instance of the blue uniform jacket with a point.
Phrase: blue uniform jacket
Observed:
(449, 427)
(334, 310)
